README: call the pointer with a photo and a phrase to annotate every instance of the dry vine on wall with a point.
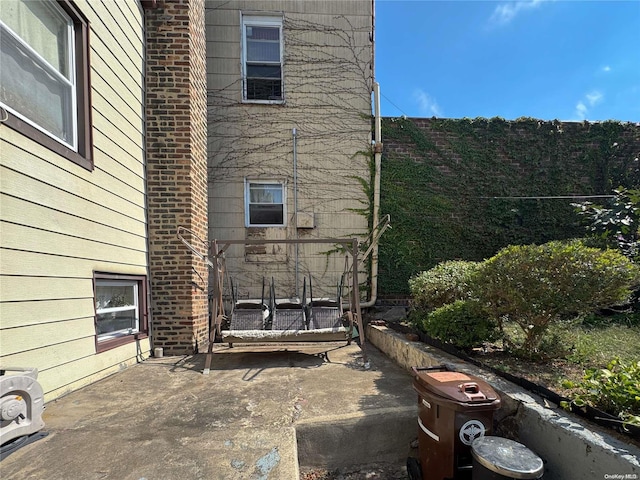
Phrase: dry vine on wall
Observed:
(327, 84)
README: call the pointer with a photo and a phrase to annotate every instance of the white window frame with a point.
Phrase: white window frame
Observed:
(247, 202)
(135, 308)
(53, 72)
(261, 21)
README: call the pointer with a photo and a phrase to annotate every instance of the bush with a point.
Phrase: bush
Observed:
(442, 285)
(615, 390)
(462, 323)
(533, 286)
(618, 224)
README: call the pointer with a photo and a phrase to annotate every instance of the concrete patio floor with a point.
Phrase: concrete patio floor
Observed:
(250, 418)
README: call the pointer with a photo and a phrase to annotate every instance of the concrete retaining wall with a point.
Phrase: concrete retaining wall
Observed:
(382, 435)
(571, 448)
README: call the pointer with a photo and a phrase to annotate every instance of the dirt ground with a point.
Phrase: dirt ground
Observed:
(368, 472)
(549, 374)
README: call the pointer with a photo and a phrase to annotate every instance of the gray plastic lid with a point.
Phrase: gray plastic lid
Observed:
(506, 457)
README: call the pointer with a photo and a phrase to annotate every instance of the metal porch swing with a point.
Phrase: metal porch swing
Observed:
(274, 320)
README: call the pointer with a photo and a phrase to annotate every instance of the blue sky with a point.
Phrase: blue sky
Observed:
(565, 60)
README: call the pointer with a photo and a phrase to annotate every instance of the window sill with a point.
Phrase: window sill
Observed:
(264, 226)
(264, 102)
(104, 345)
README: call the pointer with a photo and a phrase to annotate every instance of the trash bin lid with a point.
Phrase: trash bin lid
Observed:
(456, 386)
(506, 457)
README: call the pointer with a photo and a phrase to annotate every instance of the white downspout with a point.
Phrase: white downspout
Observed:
(377, 158)
(295, 206)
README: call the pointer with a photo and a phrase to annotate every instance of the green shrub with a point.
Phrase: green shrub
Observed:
(534, 286)
(615, 390)
(442, 285)
(617, 224)
(461, 323)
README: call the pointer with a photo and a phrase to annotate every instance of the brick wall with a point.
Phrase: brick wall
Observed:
(177, 172)
(463, 189)
(522, 149)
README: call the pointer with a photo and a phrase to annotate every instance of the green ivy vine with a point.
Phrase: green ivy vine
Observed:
(455, 188)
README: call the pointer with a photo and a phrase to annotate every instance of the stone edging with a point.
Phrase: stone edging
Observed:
(571, 448)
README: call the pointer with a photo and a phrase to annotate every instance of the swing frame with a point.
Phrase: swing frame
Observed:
(217, 316)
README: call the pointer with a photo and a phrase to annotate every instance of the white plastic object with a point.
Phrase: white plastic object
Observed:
(21, 403)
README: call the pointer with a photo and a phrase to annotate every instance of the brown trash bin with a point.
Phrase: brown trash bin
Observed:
(454, 409)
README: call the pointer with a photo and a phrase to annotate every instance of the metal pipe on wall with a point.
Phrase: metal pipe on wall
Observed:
(377, 157)
(145, 166)
(295, 207)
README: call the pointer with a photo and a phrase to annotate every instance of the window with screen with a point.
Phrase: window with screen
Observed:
(262, 59)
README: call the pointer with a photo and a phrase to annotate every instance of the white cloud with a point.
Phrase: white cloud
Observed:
(591, 99)
(594, 98)
(606, 68)
(427, 105)
(581, 111)
(506, 12)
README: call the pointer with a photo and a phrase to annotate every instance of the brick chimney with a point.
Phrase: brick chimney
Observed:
(176, 142)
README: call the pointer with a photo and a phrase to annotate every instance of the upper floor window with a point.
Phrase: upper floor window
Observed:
(262, 59)
(264, 204)
(44, 75)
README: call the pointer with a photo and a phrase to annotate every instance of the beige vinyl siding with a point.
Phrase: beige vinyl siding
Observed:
(40, 336)
(51, 355)
(15, 210)
(60, 223)
(76, 365)
(327, 90)
(44, 311)
(94, 187)
(28, 239)
(85, 370)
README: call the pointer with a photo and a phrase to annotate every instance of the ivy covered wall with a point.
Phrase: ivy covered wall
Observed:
(463, 189)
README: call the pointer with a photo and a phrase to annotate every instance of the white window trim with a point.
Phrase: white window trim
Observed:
(247, 193)
(45, 65)
(266, 21)
(135, 307)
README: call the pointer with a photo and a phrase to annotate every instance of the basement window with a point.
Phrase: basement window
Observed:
(264, 204)
(120, 305)
(262, 59)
